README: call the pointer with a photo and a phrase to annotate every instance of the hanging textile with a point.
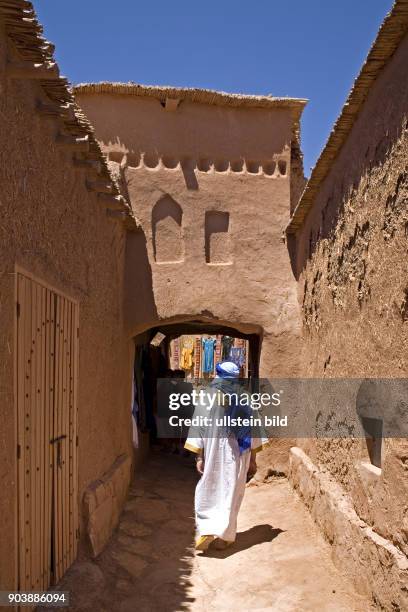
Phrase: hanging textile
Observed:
(218, 350)
(134, 411)
(186, 359)
(237, 356)
(227, 343)
(197, 357)
(186, 356)
(149, 388)
(208, 355)
(175, 354)
(139, 374)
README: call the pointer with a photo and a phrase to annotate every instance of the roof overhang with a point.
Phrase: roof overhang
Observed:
(391, 33)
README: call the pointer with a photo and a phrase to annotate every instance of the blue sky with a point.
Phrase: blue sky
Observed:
(301, 48)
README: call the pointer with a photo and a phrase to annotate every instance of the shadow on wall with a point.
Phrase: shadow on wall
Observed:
(291, 243)
(187, 167)
(139, 299)
(217, 239)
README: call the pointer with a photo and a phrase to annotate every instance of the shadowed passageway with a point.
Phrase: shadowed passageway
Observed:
(279, 561)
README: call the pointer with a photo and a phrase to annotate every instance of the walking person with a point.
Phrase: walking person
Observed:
(226, 458)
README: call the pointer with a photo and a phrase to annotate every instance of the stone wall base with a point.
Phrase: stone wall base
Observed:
(377, 568)
(274, 459)
(103, 503)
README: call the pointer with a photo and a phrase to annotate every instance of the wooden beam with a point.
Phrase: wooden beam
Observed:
(22, 26)
(11, 5)
(48, 46)
(15, 3)
(115, 202)
(100, 186)
(13, 11)
(117, 214)
(171, 104)
(73, 143)
(55, 111)
(87, 164)
(27, 70)
(130, 222)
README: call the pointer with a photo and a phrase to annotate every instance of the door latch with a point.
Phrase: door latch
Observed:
(58, 441)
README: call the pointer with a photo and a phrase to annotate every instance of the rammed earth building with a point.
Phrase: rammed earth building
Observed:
(129, 210)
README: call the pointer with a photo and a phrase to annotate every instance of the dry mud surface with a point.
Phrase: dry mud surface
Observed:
(279, 561)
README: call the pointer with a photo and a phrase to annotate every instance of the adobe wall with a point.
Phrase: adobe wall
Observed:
(352, 261)
(182, 167)
(58, 231)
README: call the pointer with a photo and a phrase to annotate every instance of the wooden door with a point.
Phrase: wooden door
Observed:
(47, 355)
(64, 440)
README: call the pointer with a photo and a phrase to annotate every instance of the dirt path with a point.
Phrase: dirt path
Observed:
(279, 561)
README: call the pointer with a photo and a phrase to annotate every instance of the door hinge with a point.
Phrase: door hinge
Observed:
(18, 451)
(77, 534)
(77, 332)
(18, 309)
(76, 441)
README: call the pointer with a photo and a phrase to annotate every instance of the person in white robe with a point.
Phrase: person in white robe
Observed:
(225, 461)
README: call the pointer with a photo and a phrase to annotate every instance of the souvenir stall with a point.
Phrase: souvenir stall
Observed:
(161, 355)
(198, 355)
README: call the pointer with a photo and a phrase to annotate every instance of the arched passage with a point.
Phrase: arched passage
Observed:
(153, 362)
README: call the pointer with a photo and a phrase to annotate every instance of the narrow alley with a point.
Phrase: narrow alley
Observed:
(175, 280)
(279, 561)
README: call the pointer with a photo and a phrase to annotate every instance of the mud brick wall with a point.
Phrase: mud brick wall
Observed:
(353, 270)
(103, 502)
(57, 230)
(211, 186)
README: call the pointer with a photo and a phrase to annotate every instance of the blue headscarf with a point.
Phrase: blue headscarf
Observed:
(227, 371)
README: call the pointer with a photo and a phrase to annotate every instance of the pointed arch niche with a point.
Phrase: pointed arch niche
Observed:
(168, 242)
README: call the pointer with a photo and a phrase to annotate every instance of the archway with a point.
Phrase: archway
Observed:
(152, 362)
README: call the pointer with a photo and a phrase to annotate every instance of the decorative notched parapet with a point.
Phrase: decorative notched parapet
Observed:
(196, 141)
(274, 168)
(35, 61)
(173, 97)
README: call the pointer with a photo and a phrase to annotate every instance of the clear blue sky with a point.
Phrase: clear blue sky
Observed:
(301, 48)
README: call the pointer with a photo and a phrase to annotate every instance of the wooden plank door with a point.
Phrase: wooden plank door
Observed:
(35, 339)
(47, 355)
(65, 515)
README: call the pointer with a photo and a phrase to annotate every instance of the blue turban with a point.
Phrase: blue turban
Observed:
(227, 369)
